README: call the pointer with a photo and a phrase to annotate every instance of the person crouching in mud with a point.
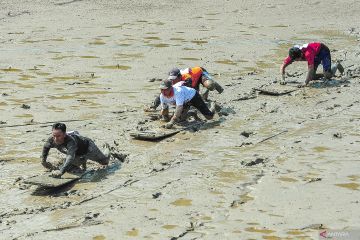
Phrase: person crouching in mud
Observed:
(78, 150)
(192, 78)
(183, 97)
(314, 53)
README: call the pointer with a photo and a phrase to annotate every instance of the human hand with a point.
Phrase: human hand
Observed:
(46, 164)
(56, 173)
(168, 125)
(282, 81)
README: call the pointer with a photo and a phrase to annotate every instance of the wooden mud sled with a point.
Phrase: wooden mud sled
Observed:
(160, 134)
(45, 180)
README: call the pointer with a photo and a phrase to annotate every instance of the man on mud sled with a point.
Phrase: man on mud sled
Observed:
(183, 97)
(78, 150)
(314, 53)
(192, 78)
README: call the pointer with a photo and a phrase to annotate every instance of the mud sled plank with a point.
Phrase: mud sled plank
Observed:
(157, 135)
(49, 182)
(275, 91)
(153, 135)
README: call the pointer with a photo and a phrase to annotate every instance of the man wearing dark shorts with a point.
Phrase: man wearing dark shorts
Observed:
(183, 97)
(78, 150)
(315, 54)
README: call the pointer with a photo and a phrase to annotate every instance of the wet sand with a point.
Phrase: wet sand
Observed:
(92, 62)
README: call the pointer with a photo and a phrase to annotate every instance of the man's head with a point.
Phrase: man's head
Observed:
(59, 133)
(174, 75)
(295, 53)
(166, 87)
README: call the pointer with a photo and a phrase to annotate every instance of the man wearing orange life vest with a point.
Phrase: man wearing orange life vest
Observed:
(191, 77)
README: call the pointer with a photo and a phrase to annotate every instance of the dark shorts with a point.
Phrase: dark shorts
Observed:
(200, 105)
(323, 58)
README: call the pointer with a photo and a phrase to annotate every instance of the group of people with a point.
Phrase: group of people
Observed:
(182, 89)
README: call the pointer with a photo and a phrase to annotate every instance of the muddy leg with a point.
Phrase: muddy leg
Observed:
(95, 154)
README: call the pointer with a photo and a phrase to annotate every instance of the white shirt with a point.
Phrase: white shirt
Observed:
(181, 96)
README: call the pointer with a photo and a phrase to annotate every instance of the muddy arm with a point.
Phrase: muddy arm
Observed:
(310, 74)
(71, 150)
(177, 114)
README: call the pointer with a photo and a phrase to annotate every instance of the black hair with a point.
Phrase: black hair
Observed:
(60, 126)
(295, 53)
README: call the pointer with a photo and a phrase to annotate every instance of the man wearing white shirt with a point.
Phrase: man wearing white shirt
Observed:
(183, 97)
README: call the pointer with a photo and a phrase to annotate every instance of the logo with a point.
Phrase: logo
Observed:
(323, 234)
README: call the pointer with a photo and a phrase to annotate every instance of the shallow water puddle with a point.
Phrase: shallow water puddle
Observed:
(10, 69)
(61, 78)
(42, 73)
(258, 230)
(97, 42)
(56, 109)
(88, 56)
(63, 57)
(116, 26)
(63, 97)
(354, 177)
(271, 237)
(189, 49)
(295, 232)
(199, 42)
(21, 85)
(115, 67)
(320, 149)
(279, 26)
(351, 186)
(169, 227)
(25, 77)
(99, 237)
(246, 197)
(133, 233)
(124, 44)
(287, 179)
(227, 62)
(182, 202)
(26, 115)
(96, 92)
(152, 38)
(206, 218)
(230, 177)
(129, 55)
(159, 45)
(190, 59)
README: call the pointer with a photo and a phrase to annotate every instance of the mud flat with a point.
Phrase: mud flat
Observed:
(92, 61)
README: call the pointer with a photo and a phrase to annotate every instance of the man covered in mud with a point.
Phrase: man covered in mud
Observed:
(78, 150)
(183, 97)
(193, 78)
(314, 53)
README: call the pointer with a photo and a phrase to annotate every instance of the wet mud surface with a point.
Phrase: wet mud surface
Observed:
(278, 166)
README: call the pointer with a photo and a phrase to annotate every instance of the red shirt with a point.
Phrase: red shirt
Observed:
(309, 51)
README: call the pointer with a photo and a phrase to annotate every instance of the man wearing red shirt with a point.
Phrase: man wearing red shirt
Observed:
(314, 53)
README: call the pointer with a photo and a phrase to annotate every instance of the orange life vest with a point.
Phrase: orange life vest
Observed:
(193, 76)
